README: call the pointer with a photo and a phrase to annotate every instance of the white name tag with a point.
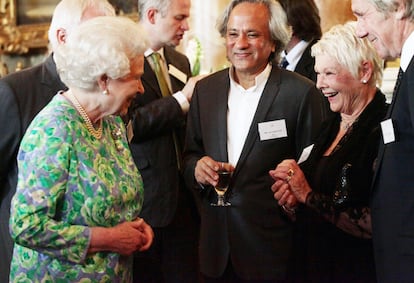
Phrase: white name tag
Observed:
(272, 130)
(305, 154)
(387, 131)
(177, 73)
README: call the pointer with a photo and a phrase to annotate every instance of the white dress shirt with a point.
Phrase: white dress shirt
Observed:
(407, 52)
(241, 108)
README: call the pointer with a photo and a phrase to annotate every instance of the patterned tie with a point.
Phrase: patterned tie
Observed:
(165, 91)
(284, 63)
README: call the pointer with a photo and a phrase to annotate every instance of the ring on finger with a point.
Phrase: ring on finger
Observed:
(288, 178)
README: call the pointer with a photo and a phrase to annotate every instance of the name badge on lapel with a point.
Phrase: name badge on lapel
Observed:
(388, 131)
(173, 71)
(272, 130)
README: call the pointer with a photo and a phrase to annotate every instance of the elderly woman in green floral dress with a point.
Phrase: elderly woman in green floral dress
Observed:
(74, 217)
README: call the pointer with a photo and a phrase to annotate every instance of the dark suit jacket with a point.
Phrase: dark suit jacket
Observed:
(154, 120)
(22, 96)
(306, 63)
(254, 231)
(393, 191)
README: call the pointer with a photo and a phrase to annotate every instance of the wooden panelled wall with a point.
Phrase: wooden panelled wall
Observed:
(334, 12)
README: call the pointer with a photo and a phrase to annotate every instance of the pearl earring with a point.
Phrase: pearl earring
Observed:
(105, 92)
(364, 81)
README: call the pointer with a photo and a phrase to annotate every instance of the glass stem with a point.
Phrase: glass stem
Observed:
(220, 200)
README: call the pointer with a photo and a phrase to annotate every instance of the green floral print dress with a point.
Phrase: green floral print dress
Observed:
(68, 182)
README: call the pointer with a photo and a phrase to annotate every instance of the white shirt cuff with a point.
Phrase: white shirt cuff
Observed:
(182, 100)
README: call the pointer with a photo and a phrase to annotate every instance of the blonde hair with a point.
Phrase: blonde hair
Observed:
(341, 43)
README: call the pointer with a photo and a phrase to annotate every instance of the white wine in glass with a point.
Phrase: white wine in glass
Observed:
(221, 187)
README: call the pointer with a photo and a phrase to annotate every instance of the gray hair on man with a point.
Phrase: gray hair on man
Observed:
(70, 13)
(161, 5)
(279, 29)
(388, 6)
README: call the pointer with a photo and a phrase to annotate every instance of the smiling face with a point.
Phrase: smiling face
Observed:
(383, 31)
(337, 84)
(248, 40)
(123, 90)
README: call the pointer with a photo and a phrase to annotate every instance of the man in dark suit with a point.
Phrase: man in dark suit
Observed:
(158, 119)
(389, 25)
(22, 96)
(248, 117)
(303, 17)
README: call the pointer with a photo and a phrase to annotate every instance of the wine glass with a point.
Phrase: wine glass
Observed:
(222, 186)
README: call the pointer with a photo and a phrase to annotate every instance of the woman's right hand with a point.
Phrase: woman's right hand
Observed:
(289, 179)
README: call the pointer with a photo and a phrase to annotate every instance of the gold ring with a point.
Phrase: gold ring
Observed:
(288, 178)
(290, 172)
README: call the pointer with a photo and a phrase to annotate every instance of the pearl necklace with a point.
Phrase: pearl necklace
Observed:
(97, 133)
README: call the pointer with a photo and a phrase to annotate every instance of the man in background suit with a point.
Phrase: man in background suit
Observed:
(22, 96)
(303, 17)
(158, 119)
(390, 27)
(248, 117)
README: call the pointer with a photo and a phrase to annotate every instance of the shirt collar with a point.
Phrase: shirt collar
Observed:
(259, 80)
(149, 51)
(407, 52)
(296, 52)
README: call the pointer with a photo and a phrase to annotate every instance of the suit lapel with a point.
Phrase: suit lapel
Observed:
(221, 117)
(149, 79)
(389, 116)
(306, 62)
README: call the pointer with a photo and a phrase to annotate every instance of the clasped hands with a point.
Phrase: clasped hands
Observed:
(124, 238)
(290, 186)
(134, 236)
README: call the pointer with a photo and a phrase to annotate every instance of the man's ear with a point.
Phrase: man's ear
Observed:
(401, 10)
(151, 15)
(61, 35)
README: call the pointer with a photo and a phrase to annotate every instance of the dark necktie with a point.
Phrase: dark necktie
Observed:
(165, 91)
(397, 83)
(284, 63)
